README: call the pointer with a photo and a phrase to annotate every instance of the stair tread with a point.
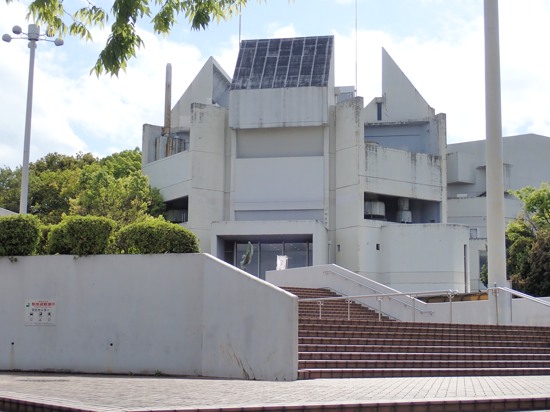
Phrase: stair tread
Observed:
(366, 346)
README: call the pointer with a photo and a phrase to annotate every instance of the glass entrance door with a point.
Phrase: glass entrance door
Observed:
(264, 256)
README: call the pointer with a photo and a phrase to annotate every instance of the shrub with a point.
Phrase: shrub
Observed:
(42, 246)
(155, 236)
(19, 235)
(81, 235)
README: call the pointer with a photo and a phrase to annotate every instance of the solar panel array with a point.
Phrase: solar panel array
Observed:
(277, 63)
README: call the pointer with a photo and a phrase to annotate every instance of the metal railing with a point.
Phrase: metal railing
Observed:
(496, 291)
(380, 296)
(378, 292)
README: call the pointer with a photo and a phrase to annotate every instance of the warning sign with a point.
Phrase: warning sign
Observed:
(40, 312)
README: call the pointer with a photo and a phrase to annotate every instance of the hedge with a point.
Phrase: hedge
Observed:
(155, 236)
(81, 235)
(19, 235)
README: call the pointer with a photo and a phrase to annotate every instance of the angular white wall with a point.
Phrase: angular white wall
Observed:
(175, 314)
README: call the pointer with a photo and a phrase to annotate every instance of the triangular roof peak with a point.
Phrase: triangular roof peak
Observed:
(210, 86)
(402, 100)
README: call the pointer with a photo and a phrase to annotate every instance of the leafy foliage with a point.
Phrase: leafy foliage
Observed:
(536, 206)
(528, 242)
(10, 181)
(19, 235)
(538, 283)
(113, 187)
(484, 275)
(81, 235)
(123, 41)
(155, 236)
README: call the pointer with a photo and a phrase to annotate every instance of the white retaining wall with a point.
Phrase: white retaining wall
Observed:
(181, 314)
(405, 308)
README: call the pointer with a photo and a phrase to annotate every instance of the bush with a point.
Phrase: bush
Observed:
(42, 247)
(155, 236)
(81, 235)
(19, 235)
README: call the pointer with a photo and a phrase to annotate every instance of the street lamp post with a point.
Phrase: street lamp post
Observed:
(33, 35)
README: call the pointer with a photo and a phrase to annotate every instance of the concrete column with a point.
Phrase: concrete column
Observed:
(496, 254)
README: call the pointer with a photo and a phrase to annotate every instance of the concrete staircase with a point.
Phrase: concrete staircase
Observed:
(335, 347)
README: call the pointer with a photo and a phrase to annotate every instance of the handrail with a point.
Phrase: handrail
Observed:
(379, 297)
(411, 295)
(384, 295)
(521, 295)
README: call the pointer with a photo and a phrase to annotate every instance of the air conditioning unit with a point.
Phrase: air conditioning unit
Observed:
(375, 210)
(404, 216)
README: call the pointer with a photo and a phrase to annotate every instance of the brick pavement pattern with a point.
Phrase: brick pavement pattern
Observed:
(127, 393)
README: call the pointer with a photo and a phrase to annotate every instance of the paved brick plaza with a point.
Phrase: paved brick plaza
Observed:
(121, 393)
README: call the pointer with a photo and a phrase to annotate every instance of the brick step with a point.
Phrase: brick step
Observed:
(328, 303)
(316, 295)
(415, 342)
(303, 348)
(344, 315)
(305, 308)
(432, 335)
(460, 326)
(421, 364)
(364, 346)
(394, 373)
(400, 328)
(423, 356)
(300, 291)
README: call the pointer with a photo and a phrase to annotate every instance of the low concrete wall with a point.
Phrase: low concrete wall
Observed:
(405, 308)
(181, 314)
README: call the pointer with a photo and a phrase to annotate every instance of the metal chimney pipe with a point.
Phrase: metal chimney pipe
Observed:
(167, 100)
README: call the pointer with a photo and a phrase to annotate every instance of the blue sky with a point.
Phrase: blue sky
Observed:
(437, 43)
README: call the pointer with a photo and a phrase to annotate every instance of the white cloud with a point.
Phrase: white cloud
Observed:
(75, 111)
(448, 68)
(442, 56)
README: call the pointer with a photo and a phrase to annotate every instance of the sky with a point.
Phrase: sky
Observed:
(439, 45)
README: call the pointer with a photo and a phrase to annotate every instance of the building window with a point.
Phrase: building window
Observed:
(378, 110)
(473, 233)
(177, 210)
(265, 254)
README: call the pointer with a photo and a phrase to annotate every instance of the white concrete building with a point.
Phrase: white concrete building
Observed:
(525, 164)
(280, 157)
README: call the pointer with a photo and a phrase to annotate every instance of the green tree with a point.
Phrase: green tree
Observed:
(10, 182)
(78, 18)
(61, 185)
(122, 164)
(527, 242)
(538, 282)
(536, 206)
(55, 162)
(125, 200)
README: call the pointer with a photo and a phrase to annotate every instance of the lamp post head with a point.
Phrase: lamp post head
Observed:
(34, 32)
(17, 30)
(58, 42)
(6, 37)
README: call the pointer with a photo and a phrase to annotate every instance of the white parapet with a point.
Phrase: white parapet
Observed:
(174, 314)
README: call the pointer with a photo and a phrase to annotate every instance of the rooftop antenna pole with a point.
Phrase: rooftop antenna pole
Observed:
(239, 24)
(167, 101)
(356, 48)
